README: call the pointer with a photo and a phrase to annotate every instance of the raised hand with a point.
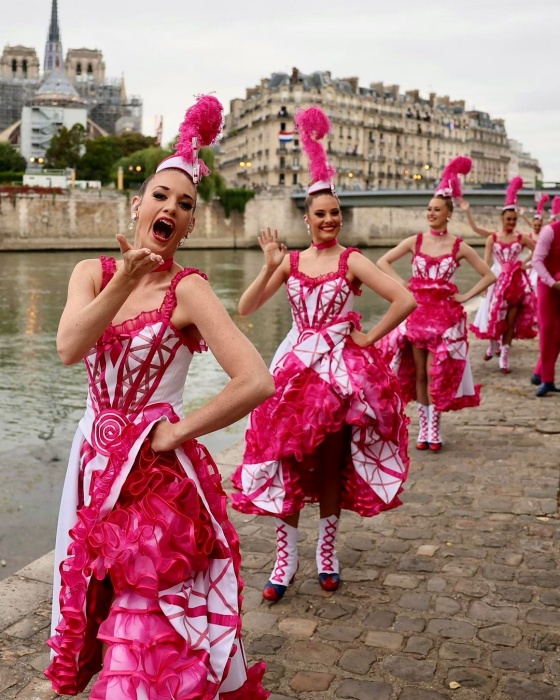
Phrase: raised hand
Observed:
(137, 261)
(274, 251)
(463, 204)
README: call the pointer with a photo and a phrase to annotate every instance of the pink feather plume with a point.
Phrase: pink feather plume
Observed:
(511, 193)
(450, 177)
(312, 125)
(541, 203)
(202, 121)
(555, 206)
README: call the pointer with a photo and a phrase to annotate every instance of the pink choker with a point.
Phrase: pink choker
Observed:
(165, 265)
(438, 233)
(322, 246)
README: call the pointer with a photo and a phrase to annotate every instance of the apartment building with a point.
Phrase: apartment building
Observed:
(380, 138)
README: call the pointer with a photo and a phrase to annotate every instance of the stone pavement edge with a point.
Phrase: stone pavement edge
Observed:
(456, 594)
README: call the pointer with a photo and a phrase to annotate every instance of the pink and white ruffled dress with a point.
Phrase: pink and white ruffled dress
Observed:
(439, 325)
(325, 383)
(147, 561)
(512, 287)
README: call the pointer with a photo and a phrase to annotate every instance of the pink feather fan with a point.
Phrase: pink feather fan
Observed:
(450, 185)
(312, 125)
(203, 122)
(555, 207)
(511, 193)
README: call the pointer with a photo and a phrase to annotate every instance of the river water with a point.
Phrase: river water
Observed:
(41, 400)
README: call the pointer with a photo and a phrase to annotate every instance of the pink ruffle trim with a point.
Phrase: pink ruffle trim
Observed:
(305, 410)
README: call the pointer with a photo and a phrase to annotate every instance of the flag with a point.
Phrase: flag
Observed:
(285, 136)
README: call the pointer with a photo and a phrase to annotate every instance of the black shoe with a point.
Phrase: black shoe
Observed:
(545, 387)
(536, 379)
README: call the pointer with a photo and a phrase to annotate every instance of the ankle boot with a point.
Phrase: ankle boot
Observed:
(504, 359)
(327, 561)
(422, 441)
(434, 436)
(286, 563)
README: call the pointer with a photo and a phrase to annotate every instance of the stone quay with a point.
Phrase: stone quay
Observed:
(89, 220)
(454, 595)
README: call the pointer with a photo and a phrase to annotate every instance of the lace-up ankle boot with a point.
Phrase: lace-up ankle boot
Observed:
(327, 561)
(492, 349)
(286, 564)
(504, 359)
(422, 441)
(434, 435)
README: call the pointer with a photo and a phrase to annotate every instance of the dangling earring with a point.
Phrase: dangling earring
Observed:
(308, 230)
(185, 238)
(341, 226)
(133, 219)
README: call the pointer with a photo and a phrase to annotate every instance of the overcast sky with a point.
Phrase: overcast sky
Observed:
(500, 56)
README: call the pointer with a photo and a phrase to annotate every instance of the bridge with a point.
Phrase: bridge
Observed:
(476, 197)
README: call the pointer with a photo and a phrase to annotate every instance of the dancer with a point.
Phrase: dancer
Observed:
(536, 223)
(429, 351)
(546, 263)
(335, 431)
(147, 583)
(509, 310)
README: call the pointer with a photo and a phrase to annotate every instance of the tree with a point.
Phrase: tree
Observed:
(66, 148)
(141, 164)
(98, 161)
(213, 185)
(129, 142)
(11, 161)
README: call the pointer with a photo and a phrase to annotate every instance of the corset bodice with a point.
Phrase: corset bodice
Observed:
(429, 270)
(319, 301)
(506, 253)
(136, 364)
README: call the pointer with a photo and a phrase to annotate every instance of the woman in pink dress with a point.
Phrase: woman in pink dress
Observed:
(509, 308)
(334, 432)
(429, 350)
(147, 585)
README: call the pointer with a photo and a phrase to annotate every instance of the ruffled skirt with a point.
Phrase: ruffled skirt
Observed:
(438, 325)
(512, 288)
(350, 390)
(158, 536)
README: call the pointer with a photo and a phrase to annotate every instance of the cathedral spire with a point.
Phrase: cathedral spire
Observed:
(53, 48)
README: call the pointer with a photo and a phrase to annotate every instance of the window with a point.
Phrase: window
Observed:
(89, 69)
(282, 162)
(294, 179)
(78, 68)
(14, 66)
(281, 179)
(24, 67)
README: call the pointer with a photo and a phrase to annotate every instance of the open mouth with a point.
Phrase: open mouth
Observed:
(163, 229)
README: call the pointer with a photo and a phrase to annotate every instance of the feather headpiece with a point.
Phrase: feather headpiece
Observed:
(312, 125)
(539, 211)
(555, 207)
(201, 127)
(511, 193)
(450, 185)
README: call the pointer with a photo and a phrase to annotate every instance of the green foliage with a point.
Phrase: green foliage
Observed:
(8, 176)
(235, 200)
(10, 159)
(98, 161)
(213, 185)
(129, 142)
(66, 148)
(141, 164)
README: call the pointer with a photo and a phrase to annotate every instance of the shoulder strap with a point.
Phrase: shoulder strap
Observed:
(418, 243)
(343, 260)
(456, 246)
(108, 267)
(170, 300)
(294, 260)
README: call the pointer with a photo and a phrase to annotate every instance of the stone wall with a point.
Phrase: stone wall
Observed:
(90, 220)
